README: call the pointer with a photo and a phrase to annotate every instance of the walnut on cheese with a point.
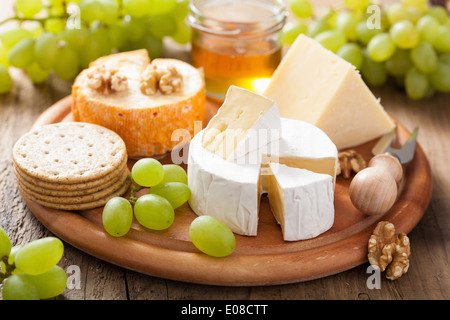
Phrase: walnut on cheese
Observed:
(348, 161)
(106, 81)
(389, 251)
(167, 79)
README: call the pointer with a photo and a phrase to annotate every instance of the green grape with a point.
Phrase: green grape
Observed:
(161, 26)
(11, 257)
(404, 34)
(101, 36)
(331, 39)
(181, 10)
(11, 37)
(134, 28)
(104, 11)
(445, 58)
(16, 287)
(174, 173)
(36, 29)
(396, 12)
(36, 73)
(211, 236)
(427, 27)
(117, 35)
(67, 62)
(153, 46)
(3, 55)
(117, 216)
(316, 27)
(147, 172)
(77, 38)
(440, 78)
(22, 54)
(54, 25)
(347, 21)
(381, 47)
(45, 50)
(442, 41)
(39, 256)
(56, 10)
(183, 33)
(5, 244)
(356, 4)
(414, 14)
(418, 4)
(48, 284)
(439, 13)
(364, 34)
(136, 8)
(424, 57)
(29, 8)
(161, 7)
(5, 80)
(154, 212)
(89, 52)
(374, 73)
(352, 53)
(301, 8)
(177, 193)
(399, 63)
(416, 84)
(292, 30)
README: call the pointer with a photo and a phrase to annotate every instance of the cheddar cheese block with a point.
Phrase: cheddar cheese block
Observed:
(143, 101)
(315, 85)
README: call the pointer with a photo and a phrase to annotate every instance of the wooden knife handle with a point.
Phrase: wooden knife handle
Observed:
(374, 190)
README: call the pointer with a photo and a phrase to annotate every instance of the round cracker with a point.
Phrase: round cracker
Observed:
(96, 183)
(64, 190)
(81, 206)
(68, 199)
(69, 152)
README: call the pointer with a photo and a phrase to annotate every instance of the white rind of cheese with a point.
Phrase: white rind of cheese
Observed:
(223, 189)
(231, 191)
(245, 122)
(302, 202)
(315, 85)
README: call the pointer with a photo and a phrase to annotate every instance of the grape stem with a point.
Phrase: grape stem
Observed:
(9, 268)
(134, 188)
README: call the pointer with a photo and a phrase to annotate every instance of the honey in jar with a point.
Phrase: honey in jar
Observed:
(236, 42)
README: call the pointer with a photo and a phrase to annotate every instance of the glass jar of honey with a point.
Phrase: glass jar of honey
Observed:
(236, 42)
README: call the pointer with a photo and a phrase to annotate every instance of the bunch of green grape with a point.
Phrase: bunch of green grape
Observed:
(155, 210)
(407, 41)
(64, 36)
(30, 271)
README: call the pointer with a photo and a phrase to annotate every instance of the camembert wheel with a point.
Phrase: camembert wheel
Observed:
(143, 101)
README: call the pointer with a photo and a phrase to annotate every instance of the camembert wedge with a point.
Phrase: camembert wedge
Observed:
(315, 85)
(245, 122)
(293, 195)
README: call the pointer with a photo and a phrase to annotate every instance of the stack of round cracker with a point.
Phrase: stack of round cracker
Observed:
(71, 165)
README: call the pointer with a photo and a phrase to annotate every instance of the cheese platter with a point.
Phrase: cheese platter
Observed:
(264, 259)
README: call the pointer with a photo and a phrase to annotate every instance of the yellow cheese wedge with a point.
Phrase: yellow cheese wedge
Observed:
(315, 85)
(145, 121)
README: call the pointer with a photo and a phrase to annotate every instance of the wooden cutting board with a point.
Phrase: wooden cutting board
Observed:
(262, 260)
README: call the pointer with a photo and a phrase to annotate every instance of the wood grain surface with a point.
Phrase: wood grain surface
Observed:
(428, 276)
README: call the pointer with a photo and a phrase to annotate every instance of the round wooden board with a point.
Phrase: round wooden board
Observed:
(262, 260)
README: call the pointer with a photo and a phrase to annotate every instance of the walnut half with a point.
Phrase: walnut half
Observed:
(167, 80)
(106, 81)
(388, 251)
(350, 161)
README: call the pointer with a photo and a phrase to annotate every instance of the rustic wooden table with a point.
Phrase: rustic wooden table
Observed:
(428, 276)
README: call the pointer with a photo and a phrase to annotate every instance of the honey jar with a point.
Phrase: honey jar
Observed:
(236, 42)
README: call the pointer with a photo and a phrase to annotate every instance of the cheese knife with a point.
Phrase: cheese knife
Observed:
(374, 189)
